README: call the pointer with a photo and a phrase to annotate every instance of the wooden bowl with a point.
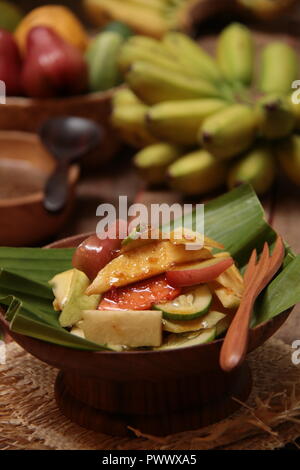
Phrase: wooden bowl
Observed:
(24, 221)
(159, 392)
(27, 114)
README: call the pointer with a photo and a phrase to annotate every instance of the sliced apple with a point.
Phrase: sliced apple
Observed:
(198, 273)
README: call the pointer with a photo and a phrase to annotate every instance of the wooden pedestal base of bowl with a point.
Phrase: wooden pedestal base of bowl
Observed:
(26, 114)
(162, 407)
(158, 393)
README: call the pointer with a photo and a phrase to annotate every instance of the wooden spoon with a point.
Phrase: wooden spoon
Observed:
(256, 278)
(68, 139)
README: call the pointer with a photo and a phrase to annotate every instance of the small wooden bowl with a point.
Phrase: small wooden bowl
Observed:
(24, 221)
(159, 392)
(27, 114)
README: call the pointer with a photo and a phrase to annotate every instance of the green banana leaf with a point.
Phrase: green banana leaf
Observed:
(34, 263)
(235, 219)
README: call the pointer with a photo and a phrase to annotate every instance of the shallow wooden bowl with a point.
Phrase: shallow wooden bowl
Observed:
(24, 221)
(159, 392)
(27, 114)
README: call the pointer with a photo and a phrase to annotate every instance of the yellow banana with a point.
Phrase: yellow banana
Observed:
(192, 57)
(266, 9)
(153, 84)
(278, 68)
(257, 168)
(276, 119)
(153, 161)
(130, 54)
(128, 117)
(143, 19)
(235, 54)
(288, 152)
(124, 96)
(196, 173)
(146, 42)
(179, 121)
(229, 131)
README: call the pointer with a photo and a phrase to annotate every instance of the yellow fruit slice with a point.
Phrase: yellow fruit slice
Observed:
(143, 263)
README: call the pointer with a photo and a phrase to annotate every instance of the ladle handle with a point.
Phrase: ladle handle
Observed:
(56, 191)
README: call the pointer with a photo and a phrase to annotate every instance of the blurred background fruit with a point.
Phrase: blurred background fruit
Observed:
(211, 108)
(102, 57)
(156, 17)
(10, 15)
(10, 63)
(266, 9)
(52, 67)
(57, 17)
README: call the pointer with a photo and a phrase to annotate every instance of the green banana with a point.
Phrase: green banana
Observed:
(276, 119)
(193, 59)
(196, 173)
(279, 68)
(102, 59)
(128, 117)
(230, 131)
(257, 168)
(153, 161)
(288, 152)
(154, 85)
(131, 53)
(179, 121)
(235, 54)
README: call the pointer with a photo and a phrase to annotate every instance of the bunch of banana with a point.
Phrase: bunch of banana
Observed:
(266, 9)
(149, 17)
(156, 17)
(191, 113)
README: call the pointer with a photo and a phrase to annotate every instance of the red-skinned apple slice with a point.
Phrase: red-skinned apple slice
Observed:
(94, 253)
(198, 273)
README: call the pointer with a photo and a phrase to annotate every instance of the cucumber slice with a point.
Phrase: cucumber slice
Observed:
(204, 322)
(194, 303)
(222, 326)
(175, 341)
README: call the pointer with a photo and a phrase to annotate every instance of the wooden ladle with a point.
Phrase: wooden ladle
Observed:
(257, 276)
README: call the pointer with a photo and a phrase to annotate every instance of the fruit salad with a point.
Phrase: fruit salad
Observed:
(162, 293)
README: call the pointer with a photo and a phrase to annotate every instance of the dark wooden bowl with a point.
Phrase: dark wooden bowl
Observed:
(24, 220)
(27, 114)
(159, 392)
